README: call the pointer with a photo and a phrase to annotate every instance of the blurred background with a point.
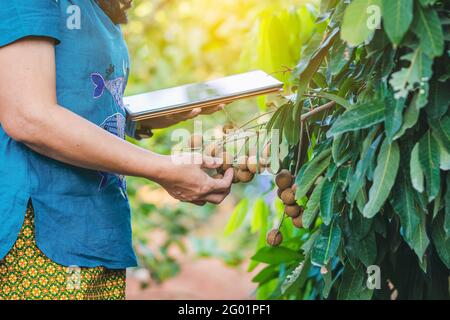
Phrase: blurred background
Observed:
(188, 252)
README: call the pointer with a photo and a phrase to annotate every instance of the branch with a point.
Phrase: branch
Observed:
(317, 110)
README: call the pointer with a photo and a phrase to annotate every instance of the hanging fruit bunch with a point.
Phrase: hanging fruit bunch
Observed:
(286, 192)
(246, 163)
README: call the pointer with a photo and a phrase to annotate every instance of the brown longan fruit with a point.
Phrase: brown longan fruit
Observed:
(253, 152)
(284, 179)
(235, 175)
(244, 176)
(274, 238)
(279, 192)
(218, 176)
(252, 164)
(211, 150)
(298, 221)
(288, 197)
(242, 163)
(228, 128)
(227, 160)
(196, 141)
(293, 211)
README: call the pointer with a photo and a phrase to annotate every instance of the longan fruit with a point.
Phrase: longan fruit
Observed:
(264, 162)
(294, 188)
(274, 238)
(242, 163)
(211, 150)
(252, 164)
(293, 211)
(196, 141)
(227, 160)
(279, 192)
(253, 152)
(284, 179)
(235, 175)
(227, 128)
(218, 176)
(244, 176)
(298, 221)
(288, 197)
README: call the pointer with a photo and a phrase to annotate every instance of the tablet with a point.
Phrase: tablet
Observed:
(200, 95)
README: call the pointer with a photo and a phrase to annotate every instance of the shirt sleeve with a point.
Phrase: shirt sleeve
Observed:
(23, 18)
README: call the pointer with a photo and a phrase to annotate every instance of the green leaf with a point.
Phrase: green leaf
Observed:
(447, 208)
(354, 284)
(411, 215)
(268, 273)
(327, 200)
(328, 282)
(341, 143)
(359, 21)
(397, 17)
(429, 158)
(237, 217)
(393, 115)
(384, 178)
(276, 255)
(411, 116)
(439, 100)
(292, 126)
(365, 248)
(427, 2)
(326, 5)
(312, 207)
(415, 75)
(297, 278)
(429, 30)
(360, 117)
(444, 162)
(333, 97)
(327, 243)
(441, 129)
(441, 241)
(260, 215)
(307, 68)
(339, 56)
(416, 172)
(313, 170)
(357, 180)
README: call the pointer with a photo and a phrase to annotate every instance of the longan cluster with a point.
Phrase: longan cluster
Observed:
(245, 166)
(286, 191)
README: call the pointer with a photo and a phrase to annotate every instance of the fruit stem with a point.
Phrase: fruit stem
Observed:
(300, 145)
(256, 118)
(282, 220)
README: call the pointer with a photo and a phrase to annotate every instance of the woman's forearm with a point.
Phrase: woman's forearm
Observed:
(67, 137)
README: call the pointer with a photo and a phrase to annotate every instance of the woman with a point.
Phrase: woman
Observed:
(63, 154)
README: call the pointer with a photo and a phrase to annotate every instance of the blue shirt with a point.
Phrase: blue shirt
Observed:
(82, 217)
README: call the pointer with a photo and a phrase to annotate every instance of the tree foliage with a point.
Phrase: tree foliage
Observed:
(372, 167)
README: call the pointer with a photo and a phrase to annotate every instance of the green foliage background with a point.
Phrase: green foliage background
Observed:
(372, 163)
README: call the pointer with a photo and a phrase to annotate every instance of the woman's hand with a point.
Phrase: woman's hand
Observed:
(188, 182)
(173, 119)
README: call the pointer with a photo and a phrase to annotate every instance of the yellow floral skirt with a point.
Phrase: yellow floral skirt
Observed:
(27, 274)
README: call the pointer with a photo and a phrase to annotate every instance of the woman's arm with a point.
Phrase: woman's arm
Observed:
(29, 113)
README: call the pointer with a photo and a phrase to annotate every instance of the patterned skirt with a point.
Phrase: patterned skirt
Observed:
(27, 274)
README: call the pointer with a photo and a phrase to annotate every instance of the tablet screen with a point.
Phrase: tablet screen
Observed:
(246, 84)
